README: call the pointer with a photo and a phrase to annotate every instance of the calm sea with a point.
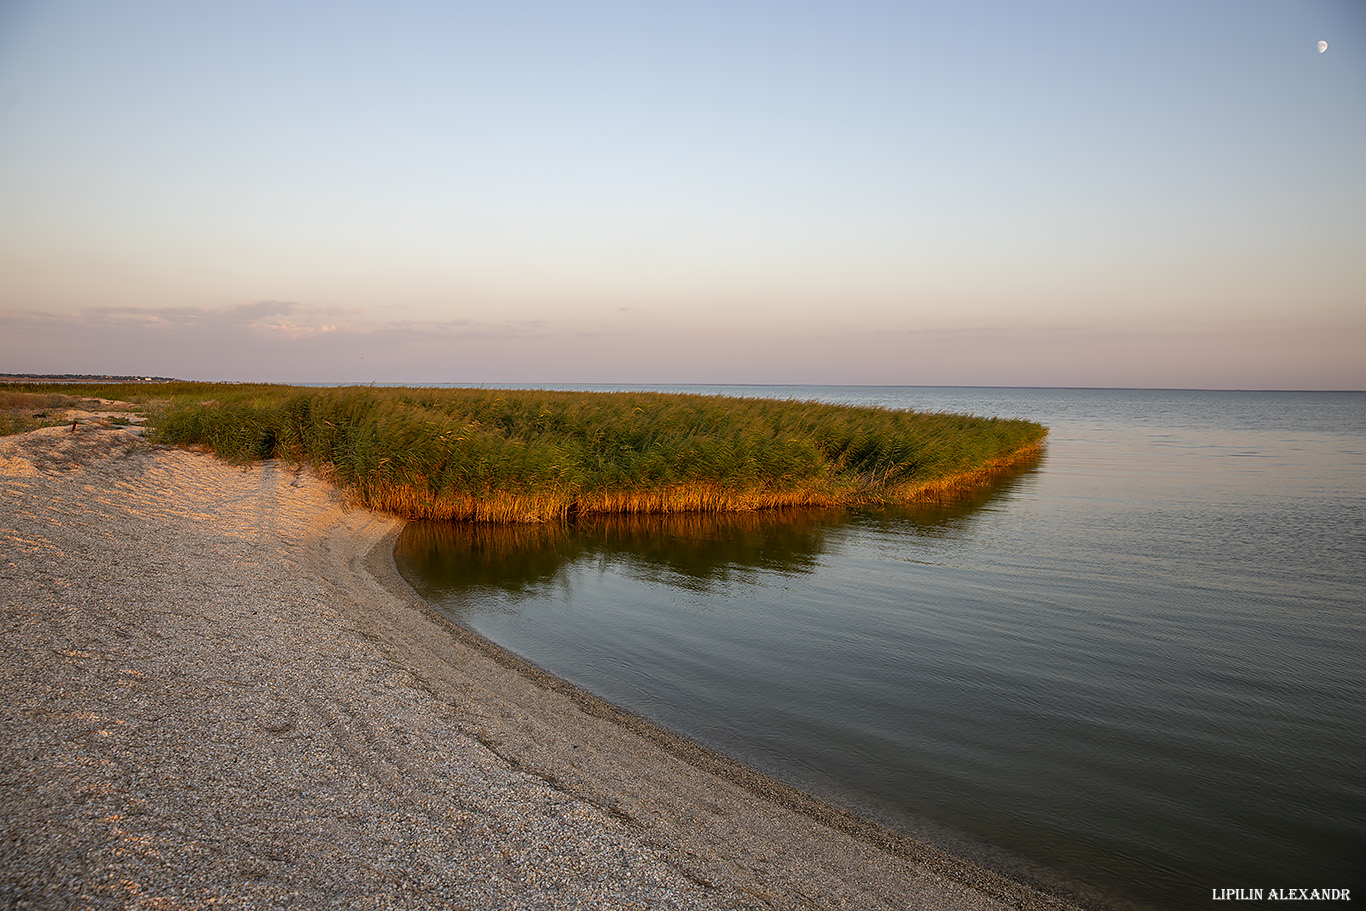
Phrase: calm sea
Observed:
(1135, 670)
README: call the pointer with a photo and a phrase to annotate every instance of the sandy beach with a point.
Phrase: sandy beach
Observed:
(217, 692)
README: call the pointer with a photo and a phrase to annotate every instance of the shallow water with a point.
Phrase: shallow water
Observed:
(1134, 670)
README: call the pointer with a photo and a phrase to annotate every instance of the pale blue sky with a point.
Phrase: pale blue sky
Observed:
(1093, 194)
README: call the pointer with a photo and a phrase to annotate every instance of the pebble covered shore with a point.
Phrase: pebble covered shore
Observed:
(217, 693)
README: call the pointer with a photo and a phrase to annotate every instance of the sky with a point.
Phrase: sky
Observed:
(1156, 194)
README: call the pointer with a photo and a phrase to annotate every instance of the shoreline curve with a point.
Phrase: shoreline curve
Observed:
(218, 689)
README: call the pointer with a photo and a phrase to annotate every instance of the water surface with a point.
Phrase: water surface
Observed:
(1134, 669)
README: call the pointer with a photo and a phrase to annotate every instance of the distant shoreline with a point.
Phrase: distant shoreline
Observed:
(82, 378)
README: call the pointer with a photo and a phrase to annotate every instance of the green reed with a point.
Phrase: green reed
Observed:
(533, 455)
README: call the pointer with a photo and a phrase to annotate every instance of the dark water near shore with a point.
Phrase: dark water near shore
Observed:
(1137, 668)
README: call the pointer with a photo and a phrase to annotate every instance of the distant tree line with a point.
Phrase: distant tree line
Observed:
(81, 378)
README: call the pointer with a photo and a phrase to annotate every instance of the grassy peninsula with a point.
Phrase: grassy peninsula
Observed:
(501, 455)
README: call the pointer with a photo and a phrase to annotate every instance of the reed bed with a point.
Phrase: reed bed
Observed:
(492, 455)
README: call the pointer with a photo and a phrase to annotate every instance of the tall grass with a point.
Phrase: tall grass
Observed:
(532, 455)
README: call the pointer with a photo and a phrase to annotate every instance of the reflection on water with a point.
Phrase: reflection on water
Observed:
(450, 563)
(1138, 665)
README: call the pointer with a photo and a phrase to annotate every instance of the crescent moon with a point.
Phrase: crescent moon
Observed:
(1323, 46)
